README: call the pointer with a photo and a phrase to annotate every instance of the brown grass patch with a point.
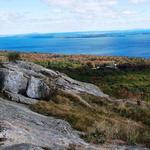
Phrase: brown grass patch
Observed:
(100, 125)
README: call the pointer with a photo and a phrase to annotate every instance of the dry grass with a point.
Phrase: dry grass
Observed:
(89, 60)
(61, 96)
(101, 124)
(73, 114)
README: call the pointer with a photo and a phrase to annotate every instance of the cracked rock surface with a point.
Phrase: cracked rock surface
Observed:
(37, 82)
(18, 124)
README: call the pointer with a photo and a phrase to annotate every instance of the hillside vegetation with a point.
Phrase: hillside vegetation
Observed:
(105, 121)
(122, 119)
(130, 80)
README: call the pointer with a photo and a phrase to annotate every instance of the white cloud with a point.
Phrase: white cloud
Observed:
(73, 3)
(73, 15)
(11, 17)
(81, 9)
(138, 1)
(129, 12)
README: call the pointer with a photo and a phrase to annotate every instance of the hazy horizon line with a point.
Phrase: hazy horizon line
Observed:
(84, 31)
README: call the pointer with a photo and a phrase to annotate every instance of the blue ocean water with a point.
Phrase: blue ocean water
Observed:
(134, 43)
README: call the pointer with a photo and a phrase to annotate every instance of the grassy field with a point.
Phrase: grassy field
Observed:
(123, 120)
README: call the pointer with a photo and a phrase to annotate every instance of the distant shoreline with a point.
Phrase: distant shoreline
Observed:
(76, 32)
(59, 54)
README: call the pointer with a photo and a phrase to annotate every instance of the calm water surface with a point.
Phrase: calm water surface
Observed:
(118, 43)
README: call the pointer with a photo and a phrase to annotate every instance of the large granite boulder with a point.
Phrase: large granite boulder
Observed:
(13, 81)
(37, 89)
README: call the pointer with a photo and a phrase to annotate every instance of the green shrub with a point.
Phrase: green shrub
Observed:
(60, 65)
(13, 56)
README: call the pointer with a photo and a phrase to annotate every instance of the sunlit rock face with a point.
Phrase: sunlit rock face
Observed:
(13, 81)
(36, 82)
(37, 89)
(18, 124)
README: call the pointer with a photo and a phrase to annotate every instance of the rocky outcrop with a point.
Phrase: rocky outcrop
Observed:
(20, 128)
(18, 125)
(19, 98)
(69, 84)
(36, 82)
(23, 146)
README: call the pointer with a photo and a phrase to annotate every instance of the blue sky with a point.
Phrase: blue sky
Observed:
(30, 16)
